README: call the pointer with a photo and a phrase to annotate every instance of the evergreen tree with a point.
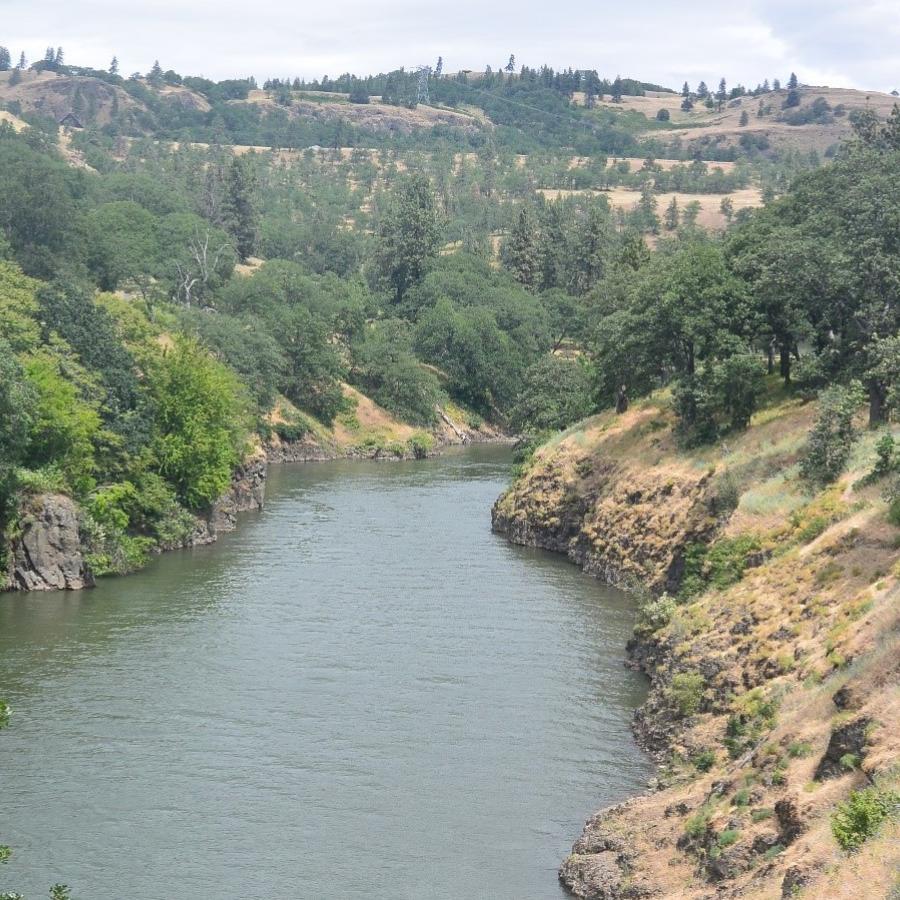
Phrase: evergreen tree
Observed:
(522, 254)
(776, 85)
(23, 63)
(722, 93)
(5, 59)
(408, 236)
(672, 216)
(617, 90)
(702, 90)
(793, 84)
(155, 75)
(439, 68)
(240, 205)
(15, 77)
(765, 86)
(745, 118)
(114, 66)
(687, 104)
(685, 90)
(511, 65)
(58, 60)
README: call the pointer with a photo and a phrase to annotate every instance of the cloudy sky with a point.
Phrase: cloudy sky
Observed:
(829, 42)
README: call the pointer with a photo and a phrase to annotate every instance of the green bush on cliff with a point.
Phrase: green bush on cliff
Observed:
(686, 692)
(717, 565)
(862, 815)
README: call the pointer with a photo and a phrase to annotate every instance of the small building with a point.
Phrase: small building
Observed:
(70, 120)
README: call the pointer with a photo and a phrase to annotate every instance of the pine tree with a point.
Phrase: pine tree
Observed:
(745, 118)
(522, 254)
(702, 90)
(722, 93)
(23, 63)
(114, 66)
(59, 60)
(776, 85)
(5, 59)
(617, 90)
(240, 205)
(439, 68)
(765, 86)
(687, 104)
(672, 216)
(793, 84)
(511, 65)
(155, 76)
(685, 90)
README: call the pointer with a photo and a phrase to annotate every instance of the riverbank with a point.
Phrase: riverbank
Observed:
(768, 629)
(49, 547)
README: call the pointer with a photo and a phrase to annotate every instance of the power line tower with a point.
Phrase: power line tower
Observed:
(424, 73)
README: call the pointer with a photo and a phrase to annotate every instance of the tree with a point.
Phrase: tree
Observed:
(58, 60)
(793, 83)
(16, 402)
(408, 236)
(617, 88)
(685, 90)
(555, 392)
(792, 99)
(15, 77)
(702, 90)
(726, 207)
(776, 85)
(722, 93)
(745, 118)
(672, 215)
(687, 104)
(114, 66)
(358, 92)
(662, 115)
(5, 59)
(155, 75)
(511, 65)
(831, 439)
(522, 257)
(241, 212)
(201, 422)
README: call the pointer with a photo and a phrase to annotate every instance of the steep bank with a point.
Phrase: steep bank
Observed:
(773, 672)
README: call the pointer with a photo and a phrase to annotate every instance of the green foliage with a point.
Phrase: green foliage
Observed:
(555, 392)
(686, 692)
(704, 760)
(752, 714)
(831, 439)
(696, 825)
(387, 370)
(201, 421)
(717, 565)
(408, 236)
(654, 614)
(862, 815)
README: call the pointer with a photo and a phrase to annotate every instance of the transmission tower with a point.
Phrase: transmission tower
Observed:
(424, 73)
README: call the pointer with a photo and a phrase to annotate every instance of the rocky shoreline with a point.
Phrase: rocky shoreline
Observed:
(758, 722)
(47, 551)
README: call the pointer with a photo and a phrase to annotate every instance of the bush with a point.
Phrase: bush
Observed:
(686, 692)
(555, 393)
(655, 614)
(717, 565)
(420, 444)
(663, 115)
(862, 815)
(831, 439)
(704, 760)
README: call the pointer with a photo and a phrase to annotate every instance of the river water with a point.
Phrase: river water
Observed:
(361, 693)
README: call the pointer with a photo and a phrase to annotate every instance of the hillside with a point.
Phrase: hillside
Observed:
(768, 630)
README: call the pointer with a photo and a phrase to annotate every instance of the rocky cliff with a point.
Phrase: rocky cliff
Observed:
(769, 631)
(46, 554)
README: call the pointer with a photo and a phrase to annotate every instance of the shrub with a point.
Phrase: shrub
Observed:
(831, 439)
(862, 815)
(662, 115)
(695, 827)
(654, 615)
(420, 444)
(752, 713)
(686, 692)
(718, 565)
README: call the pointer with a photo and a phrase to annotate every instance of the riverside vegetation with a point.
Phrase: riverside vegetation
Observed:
(172, 308)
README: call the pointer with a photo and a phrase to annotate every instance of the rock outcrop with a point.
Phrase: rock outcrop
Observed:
(46, 554)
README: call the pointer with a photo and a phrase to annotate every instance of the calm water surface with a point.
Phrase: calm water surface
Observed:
(361, 693)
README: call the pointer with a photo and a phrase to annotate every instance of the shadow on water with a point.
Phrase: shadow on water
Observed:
(361, 693)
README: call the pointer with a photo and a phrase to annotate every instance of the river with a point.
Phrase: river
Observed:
(361, 693)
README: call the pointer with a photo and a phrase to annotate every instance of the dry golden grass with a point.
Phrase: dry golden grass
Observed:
(710, 215)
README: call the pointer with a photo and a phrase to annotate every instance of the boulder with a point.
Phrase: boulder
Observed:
(46, 554)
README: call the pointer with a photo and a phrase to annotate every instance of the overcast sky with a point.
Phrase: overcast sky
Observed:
(828, 42)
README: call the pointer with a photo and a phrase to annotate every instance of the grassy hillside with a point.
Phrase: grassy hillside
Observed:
(768, 630)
